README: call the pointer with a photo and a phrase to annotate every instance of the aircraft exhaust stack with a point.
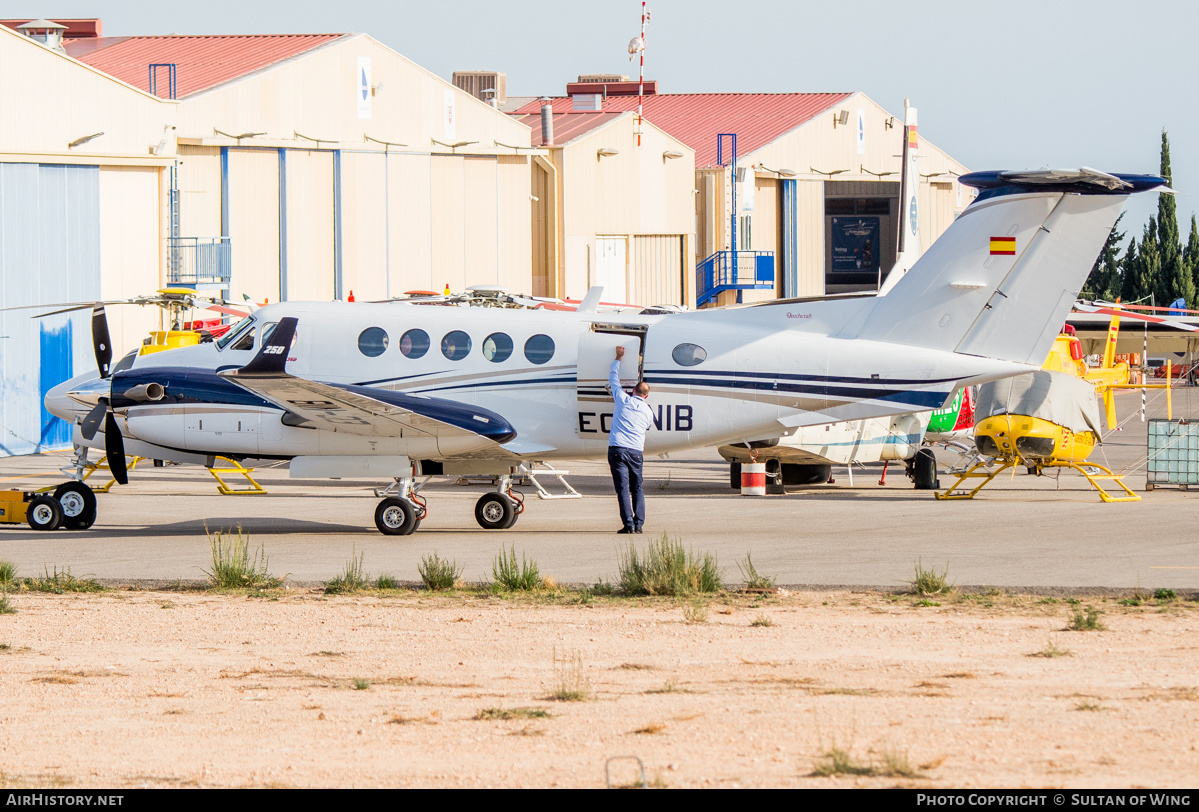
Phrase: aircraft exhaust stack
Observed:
(146, 392)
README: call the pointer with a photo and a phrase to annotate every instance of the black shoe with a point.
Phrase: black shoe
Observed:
(637, 530)
(622, 531)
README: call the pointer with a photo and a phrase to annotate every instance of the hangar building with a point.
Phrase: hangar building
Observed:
(300, 166)
(809, 166)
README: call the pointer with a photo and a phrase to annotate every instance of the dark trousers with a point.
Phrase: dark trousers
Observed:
(626, 476)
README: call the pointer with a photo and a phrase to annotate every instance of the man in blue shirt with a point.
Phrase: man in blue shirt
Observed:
(626, 441)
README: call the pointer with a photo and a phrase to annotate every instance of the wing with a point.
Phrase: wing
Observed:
(362, 409)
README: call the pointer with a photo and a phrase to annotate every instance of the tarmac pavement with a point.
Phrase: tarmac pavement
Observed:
(1020, 532)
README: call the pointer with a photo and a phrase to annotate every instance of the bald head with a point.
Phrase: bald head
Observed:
(641, 389)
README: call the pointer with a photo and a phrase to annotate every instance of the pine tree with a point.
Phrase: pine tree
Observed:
(1190, 257)
(1104, 282)
(1130, 275)
(1149, 265)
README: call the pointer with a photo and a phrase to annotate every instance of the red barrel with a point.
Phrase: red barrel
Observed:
(753, 479)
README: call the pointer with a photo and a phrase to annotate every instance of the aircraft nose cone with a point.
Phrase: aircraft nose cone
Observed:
(76, 396)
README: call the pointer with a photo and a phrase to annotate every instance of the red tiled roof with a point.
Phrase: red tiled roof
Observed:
(697, 118)
(203, 61)
(567, 126)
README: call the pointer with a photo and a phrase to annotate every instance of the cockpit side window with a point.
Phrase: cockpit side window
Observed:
(236, 332)
(245, 341)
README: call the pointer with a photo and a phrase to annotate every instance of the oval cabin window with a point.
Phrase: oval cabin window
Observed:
(688, 355)
(372, 341)
(497, 347)
(539, 349)
(455, 345)
(414, 343)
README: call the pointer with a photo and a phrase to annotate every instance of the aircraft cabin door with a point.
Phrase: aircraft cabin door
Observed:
(597, 351)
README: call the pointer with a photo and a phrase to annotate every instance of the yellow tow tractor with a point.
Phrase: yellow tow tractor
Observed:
(72, 505)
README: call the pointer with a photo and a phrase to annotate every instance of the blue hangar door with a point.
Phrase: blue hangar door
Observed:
(49, 252)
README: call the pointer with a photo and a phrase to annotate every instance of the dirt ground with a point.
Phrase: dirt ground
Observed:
(297, 689)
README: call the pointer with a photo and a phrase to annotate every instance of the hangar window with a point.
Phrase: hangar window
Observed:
(414, 343)
(497, 347)
(688, 355)
(539, 349)
(860, 205)
(455, 345)
(372, 341)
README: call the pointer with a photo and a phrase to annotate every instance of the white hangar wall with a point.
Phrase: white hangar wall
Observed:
(318, 219)
(77, 223)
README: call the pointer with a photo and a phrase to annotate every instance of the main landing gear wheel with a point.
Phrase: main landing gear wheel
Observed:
(396, 517)
(78, 505)
(44, 513)
(495, 511)
(924, 470)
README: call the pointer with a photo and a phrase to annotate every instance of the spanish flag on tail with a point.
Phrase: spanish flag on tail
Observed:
(1003, 246)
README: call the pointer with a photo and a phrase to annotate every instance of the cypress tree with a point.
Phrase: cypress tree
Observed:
(1172, 279)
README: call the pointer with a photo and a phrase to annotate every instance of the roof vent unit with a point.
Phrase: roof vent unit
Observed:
(47, 32)
(488, 85)
(588, 78)
(587, 102)
(613, 88)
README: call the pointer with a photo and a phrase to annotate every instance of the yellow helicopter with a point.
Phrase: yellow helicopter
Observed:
(1049, 418)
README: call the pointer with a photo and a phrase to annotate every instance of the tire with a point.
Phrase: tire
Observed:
(396, 517)
(495, 511)
(44, 513)
(774, 478)
(78, 505)
(924, 470)
(516, 513)
(806, 474)
(735, 475)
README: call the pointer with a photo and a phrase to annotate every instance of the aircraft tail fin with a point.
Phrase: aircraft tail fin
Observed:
(272, 358)
(1002, 278)
(909, 204)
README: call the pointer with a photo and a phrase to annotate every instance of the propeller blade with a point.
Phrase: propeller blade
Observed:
(91, 423)
(101, 341)
(114, 449)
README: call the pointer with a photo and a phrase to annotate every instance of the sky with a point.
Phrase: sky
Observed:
(999, 85)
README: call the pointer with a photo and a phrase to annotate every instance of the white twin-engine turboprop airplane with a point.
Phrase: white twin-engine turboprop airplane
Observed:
(398, 391)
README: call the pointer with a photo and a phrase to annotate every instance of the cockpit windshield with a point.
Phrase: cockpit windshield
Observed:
(246, 325)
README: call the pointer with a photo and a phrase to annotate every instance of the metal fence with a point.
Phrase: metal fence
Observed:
(733, 270)
(199, 260)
